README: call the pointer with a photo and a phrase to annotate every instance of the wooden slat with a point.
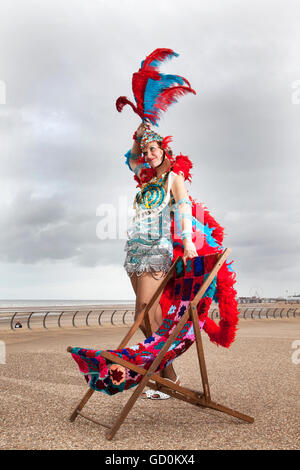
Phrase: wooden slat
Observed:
(154, 376)
(93, 420)
(179, 396)
(111, 433)
(148, 324)
(200, 351)
(177, 390)
(81, 404)
(146, 377)
(122, 362)
(229, 411)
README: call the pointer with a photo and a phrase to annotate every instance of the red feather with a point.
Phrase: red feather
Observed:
(139, 83)
(140, 80)
(184, 164)
(122, 101)
(165, 142)
(167, 97)
(159, 54)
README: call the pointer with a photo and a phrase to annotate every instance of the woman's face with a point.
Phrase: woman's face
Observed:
(153, 154)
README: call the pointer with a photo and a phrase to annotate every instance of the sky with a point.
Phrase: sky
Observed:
(64, 63)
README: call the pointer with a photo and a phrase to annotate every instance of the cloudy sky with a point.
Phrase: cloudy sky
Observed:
(62, 66)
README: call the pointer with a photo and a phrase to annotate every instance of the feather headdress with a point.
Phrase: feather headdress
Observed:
(153, 91)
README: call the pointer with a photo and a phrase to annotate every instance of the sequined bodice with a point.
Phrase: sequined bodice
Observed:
(153, 204)
(150, 246)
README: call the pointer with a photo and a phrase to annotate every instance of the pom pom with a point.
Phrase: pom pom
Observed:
(166, 141)
(146, 174)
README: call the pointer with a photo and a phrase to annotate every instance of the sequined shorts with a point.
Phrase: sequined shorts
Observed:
(152, 258)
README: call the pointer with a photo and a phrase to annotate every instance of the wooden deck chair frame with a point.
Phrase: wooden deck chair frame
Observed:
(154, 380)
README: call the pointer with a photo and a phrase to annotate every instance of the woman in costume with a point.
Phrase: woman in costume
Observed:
(150, 243)
(161, 179)
(168, 222)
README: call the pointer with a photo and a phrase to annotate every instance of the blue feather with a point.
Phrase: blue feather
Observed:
(155, 87)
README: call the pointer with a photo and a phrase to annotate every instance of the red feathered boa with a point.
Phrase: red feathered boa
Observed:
(224, 332)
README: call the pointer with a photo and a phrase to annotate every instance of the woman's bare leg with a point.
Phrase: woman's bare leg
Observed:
(146, 287)
(133, 280)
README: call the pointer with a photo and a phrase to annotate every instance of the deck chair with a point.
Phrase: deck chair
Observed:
(114, 371)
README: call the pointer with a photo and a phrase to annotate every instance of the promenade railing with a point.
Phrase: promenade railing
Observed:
(262, 312)
(64, 317)
(77, 316)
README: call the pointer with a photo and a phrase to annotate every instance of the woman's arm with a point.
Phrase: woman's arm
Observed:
(184, 207)
(133, 155)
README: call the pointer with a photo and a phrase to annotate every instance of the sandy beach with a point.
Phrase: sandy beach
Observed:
(40, 385)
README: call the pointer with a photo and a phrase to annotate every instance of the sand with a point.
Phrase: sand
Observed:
(40, 385)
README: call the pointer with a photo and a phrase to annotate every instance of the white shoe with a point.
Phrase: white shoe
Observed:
(161, 395)
(157, 395)
(148, 393)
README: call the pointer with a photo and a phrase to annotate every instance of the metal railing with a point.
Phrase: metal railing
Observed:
(261, 312)
(108, 316)
(67, 317)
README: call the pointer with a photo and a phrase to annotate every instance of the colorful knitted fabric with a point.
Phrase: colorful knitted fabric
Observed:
(207, 236)
(110, 378)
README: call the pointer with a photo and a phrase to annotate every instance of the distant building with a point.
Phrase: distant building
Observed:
(250, 300)
(293, 299)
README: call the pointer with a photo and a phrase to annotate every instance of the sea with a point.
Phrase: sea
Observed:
(60, 302)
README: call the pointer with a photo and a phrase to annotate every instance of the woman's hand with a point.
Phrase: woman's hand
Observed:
(142, 127)
(189, 250)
